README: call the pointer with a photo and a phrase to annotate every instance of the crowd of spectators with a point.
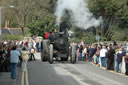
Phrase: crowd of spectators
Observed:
(17, 53)
(108, 56)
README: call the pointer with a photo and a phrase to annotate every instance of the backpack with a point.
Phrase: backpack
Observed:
(32, 50)
(80, 48)
(119, 56)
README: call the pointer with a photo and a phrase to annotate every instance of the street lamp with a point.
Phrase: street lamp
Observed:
(11, 6)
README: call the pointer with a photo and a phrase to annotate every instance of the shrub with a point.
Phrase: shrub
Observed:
(11, 37)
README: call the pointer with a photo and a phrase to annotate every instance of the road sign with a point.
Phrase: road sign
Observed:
(97, 37)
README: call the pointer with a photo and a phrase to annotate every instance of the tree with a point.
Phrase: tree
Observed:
(119, 34)
(40, 27)
(21, 11)
(27, 10)
(114, 14)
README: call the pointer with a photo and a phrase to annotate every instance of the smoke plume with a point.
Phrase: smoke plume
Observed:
(80, 14)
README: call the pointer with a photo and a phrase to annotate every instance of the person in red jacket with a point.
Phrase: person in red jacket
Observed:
(117, 46)
(46, 35)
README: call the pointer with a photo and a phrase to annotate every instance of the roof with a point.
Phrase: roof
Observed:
(11, 31)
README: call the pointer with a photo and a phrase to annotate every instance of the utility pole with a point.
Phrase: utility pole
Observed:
(0, 28)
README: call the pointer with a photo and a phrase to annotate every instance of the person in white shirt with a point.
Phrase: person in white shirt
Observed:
(32, 56)
(103, 53)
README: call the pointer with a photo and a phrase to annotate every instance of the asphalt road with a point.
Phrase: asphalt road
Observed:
(65, 73)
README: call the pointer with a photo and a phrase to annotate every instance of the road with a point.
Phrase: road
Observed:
(65, 73)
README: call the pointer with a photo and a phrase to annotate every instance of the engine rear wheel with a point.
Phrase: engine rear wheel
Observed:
(51, 54)
(73, 54)
(43, 57)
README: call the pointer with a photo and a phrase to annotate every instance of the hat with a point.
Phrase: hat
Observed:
(120, 49)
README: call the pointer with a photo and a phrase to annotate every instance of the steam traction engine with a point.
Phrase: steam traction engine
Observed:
(57, 46)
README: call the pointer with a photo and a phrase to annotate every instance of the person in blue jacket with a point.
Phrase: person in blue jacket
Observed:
(14, 59)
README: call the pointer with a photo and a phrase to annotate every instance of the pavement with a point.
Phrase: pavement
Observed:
(5, 78)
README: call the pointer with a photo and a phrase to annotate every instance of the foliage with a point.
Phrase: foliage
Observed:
(11, 37)
(76, 40)
(119, 34)
(88, 38)
(115, 17)
(80, 34)
(27, 32)
(40, 27)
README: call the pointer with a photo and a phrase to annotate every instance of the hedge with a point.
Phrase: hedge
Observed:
(11, 37)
